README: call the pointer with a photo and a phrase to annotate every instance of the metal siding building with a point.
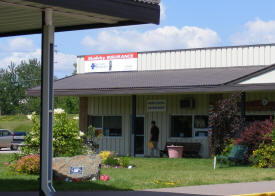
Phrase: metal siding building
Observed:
(202, 58)
(121, 106)
(170, 60)
(172, 76)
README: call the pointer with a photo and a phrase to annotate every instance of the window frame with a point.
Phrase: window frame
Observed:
(102, 122)
(170, 126)
(193, 126)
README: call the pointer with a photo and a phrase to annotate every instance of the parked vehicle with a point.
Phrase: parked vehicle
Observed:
(6, 138)
(18, 139)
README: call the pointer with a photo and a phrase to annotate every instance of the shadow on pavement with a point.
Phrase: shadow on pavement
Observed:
(106, 193)
(18, 186)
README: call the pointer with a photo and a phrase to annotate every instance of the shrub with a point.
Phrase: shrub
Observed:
(105, 154)
(29, 164)
(66, 136)
(264, 156)
(224, 123)
(225, 153)
(91, 138)
(124, 161)
(256, 133)
(112, 161)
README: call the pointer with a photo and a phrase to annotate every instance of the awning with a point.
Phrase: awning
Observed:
(20, 17)
(157, 82)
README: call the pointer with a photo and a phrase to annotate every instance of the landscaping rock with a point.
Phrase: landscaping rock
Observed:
(77, 168)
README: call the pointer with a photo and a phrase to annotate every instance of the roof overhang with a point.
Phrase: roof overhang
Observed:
(204, 80)
(20, 17)
(162, 90)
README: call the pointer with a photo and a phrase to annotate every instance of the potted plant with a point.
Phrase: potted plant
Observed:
(175, 151)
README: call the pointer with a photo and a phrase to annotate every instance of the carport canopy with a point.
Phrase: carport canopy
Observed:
(22, 17)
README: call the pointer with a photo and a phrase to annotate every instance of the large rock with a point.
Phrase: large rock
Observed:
(78, 168)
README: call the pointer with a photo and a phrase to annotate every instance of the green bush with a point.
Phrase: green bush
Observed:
(112, 161)
(225, 153)
(66, 136)
(264, 156)
(124, 161)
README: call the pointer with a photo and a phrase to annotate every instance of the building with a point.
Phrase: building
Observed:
(175, 88)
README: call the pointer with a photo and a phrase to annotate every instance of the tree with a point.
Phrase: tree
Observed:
(75, 69)
(224, 122)
(68, 103)
(15, 80)
(10, 90)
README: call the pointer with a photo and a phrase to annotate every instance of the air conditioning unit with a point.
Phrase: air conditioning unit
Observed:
(187, 103)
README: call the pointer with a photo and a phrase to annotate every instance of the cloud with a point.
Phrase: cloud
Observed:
(168, 37)
(16, 53)
(255, 32)
(19, 44)
(162, 11)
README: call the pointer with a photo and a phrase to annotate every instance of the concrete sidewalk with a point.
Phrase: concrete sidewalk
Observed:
(204, 190)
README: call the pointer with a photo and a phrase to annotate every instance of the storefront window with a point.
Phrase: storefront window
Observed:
(107, 125)
(251, 118)
(112, 125)
(201, 122)
(96, 121)
(201, 125)
(181, 126)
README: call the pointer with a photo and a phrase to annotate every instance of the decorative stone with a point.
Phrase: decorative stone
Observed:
(77, 168)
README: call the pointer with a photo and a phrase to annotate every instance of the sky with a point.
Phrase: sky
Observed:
(184, 24)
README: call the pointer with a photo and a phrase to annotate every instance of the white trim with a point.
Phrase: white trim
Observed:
(268, 77)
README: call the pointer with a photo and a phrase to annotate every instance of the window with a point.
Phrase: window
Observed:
(201, 122)
(5, 133)
(181, 126)
(107, 125)
(251, 118)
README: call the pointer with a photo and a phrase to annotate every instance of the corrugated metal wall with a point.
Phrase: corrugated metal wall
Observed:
(121, 106)
(80, 68)
(208, 57)
(163, 118)
(202, 58)
(113, 106)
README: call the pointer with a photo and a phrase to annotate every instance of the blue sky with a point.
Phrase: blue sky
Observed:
(184, 24)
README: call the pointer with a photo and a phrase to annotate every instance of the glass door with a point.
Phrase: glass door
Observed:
(139, 136)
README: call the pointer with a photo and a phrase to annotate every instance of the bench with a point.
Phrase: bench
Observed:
(236, 155)
(189, 149)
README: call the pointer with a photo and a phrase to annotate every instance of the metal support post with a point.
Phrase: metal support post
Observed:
(133, 125)
(46, 187)
(243, 110)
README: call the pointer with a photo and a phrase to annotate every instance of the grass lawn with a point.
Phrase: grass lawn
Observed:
(148, 173)
(15, 123)
(18, 122)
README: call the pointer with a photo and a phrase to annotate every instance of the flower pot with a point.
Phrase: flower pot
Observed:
(175, 151)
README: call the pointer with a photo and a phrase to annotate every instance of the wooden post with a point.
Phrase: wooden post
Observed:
(83, 114)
